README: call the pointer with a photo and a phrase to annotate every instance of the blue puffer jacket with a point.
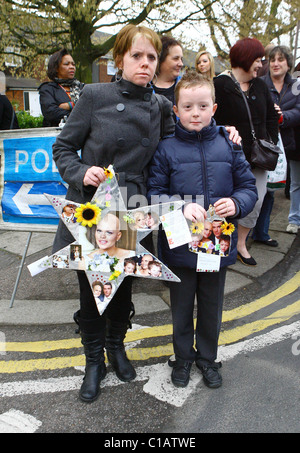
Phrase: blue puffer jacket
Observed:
(289, 101)
(205, 163)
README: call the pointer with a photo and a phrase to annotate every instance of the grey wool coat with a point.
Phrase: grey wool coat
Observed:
(115, 123)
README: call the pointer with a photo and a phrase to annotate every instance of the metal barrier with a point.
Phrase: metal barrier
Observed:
(27, 172)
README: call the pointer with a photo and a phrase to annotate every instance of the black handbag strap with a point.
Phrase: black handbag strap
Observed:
(161, 108)
(247, 106)
(12, 119)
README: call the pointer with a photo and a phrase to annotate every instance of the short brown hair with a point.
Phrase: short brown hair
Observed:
(285, 52)
(244, 52)
(167, 42)
(128, 34)
(192, 79)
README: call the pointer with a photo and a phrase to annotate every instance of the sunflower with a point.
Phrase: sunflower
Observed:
(197, 228)
(115, 275)
(227, 228)
(88, 214)
(108, 173)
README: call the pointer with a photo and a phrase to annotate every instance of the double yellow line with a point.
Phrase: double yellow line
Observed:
(226, 336)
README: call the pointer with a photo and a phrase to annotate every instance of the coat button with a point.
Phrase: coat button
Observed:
(120, 107)
(121, 142)
(145, 142)
(147, 96)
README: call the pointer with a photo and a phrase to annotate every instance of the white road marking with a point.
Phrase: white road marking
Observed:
(157, 376)
(17, 422)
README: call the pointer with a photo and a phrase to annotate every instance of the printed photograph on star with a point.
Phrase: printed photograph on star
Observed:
(103, 292)
(143, 219)
(106, 243)
(212, 236)
(145, 265)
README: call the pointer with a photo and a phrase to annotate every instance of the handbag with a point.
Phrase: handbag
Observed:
(264, 153)
(277, 178)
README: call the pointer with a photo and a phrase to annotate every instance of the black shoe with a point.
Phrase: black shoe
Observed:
(247, 261)
(180, 375)
(211, 376)
(270, 242)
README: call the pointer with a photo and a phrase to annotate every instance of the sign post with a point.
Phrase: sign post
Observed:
(27, 172)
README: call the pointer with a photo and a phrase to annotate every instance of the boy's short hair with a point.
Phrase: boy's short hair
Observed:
(192, 79)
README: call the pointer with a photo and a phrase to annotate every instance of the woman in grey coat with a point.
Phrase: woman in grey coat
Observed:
(112, 123)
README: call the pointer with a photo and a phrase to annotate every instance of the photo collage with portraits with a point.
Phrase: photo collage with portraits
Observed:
(107, 241)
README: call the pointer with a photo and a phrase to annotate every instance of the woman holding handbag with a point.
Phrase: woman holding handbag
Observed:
(232, 88)
(286, 99)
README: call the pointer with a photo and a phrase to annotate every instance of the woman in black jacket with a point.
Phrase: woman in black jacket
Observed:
(285, 94)
(8, 119)
(245, 57)
(58, 97)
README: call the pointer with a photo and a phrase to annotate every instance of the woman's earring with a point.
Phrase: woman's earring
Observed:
(154, 80)
(119, 75)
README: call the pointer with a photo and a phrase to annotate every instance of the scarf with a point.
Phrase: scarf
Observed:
(75, 87)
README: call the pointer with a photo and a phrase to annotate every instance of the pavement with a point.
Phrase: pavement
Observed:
(52, 296)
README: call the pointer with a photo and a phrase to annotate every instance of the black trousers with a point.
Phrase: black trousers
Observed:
(208, 288)
(117, 310)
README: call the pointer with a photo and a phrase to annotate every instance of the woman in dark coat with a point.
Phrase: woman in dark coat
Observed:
(8, 119)
(112, 123)
(245, 57)
(58, 97)
(286, 98)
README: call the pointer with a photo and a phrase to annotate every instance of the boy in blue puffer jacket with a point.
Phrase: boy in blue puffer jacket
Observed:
(199, 160)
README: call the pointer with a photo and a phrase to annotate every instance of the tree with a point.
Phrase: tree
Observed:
(34, 29)
(41, 27)
(265, 20)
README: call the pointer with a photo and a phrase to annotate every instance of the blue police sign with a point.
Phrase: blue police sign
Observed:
(28, 172)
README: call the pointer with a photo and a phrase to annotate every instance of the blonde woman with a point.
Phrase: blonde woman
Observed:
(205, 64)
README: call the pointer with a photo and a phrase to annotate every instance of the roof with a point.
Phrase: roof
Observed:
(21, 83)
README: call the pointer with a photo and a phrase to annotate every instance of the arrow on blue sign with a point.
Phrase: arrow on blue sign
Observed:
(27, 203)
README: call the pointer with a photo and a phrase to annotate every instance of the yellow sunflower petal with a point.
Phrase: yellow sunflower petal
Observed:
(108, 173)
(227, 228)
(88, 214)
(197, 228)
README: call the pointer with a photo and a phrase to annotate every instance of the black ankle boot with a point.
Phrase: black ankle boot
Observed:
(115, 350)
(95, 369)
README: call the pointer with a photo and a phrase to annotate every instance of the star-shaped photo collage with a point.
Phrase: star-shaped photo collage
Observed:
(107, 240)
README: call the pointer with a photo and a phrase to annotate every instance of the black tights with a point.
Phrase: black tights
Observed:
(117, 310)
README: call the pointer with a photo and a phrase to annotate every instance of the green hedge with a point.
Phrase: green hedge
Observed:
(26, 121)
